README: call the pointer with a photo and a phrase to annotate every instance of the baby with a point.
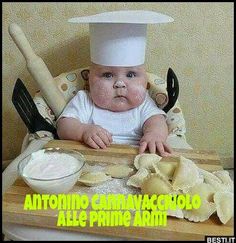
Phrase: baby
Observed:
(117, 109)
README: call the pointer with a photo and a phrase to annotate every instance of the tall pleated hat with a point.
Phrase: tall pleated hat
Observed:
(118, 38)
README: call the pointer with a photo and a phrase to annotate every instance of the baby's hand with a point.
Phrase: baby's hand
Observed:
(96, 136)
(155, 143)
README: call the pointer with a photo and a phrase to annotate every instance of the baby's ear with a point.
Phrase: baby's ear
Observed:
(85, 74)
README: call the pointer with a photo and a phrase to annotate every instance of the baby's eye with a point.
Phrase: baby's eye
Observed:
(107, 75)
(131, 74)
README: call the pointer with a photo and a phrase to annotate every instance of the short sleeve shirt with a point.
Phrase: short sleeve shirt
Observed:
(125, 127)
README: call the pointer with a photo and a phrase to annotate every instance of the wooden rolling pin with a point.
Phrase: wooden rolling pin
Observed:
(38, 70)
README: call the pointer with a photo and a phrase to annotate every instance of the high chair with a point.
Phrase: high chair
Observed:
(54, 94)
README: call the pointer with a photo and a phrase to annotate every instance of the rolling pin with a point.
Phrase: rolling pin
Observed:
(39, 71)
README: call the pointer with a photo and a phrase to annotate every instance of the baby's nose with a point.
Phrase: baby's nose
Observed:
(119, 84)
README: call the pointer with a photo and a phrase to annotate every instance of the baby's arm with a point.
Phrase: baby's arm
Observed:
(93, 135)
(155, 132)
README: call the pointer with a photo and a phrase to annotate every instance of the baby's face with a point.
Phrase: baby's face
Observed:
(117, 88)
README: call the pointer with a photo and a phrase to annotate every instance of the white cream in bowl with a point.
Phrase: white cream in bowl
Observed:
(52, 171)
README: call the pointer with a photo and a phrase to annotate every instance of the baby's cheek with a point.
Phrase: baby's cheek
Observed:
(101, 94)
(137, 93)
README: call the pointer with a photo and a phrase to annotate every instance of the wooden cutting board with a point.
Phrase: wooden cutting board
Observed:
(176, 229)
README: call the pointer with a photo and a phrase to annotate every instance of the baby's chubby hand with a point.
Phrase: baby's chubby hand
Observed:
(155, 132)
(96, 136)
(155, 143)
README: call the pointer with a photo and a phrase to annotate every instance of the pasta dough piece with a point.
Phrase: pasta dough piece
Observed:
(118, 171)
(202, 213)
(225, 178)
(156, 184)
(93, 178)
(167, 168)
(178, 213)
(215, 182)
(137, 179)
(204, 190)
(224, 205)
(186, 175)
(147, 161)
(208, 176)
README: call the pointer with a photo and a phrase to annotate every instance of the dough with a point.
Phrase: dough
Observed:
(225, 178)
(167, 168)
(147, 161)
(93, 178)
(177, 213)
(208, 176)
(137, 179)
(202, 213)
(224, 205)
(216, 182)
(214, 188)
(186, 175)
(118, 171)
(156, 184)
(204, 190)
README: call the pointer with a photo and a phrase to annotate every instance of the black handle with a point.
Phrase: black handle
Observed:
(172, 89)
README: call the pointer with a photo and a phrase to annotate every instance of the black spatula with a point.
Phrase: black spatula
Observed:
(28, 111)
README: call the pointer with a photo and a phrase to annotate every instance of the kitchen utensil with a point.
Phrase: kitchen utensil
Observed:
(10, 174)
(172, 89)
(28, 111)
(43, 170)
(39, 71)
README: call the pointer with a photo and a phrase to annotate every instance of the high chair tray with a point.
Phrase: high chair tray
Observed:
(176, 229)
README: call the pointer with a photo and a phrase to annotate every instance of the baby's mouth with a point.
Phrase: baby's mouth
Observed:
(120, 97)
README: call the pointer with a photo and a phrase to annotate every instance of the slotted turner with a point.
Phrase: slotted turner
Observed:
(28, 111)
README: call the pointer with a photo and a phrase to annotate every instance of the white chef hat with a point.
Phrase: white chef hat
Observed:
(118, 38)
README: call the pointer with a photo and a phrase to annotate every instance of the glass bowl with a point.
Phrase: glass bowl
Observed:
(51, 170)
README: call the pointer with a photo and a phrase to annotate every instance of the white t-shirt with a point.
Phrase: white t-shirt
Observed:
(125, 126)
